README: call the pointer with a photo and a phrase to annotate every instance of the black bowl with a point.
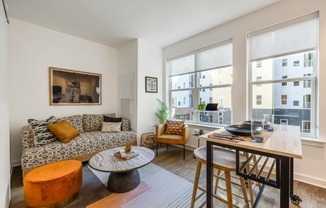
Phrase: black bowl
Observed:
(247, 123)
(241, 129)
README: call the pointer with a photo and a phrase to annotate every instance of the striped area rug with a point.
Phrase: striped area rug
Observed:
(184, 200)
(159, 189)
(166, 190)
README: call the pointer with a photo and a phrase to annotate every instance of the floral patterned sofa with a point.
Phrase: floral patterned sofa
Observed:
(90, 141)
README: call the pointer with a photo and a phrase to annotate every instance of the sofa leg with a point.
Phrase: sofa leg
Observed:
(157, 149)
(184, 152)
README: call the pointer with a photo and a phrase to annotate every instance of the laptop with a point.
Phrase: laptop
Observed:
(211, 106)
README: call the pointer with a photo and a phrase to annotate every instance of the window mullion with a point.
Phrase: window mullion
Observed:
(283, 80)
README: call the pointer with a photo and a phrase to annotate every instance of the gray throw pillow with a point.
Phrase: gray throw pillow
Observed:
(42, 135)
(76, 121)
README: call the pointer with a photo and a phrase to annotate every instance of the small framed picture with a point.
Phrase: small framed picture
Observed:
(151, 84)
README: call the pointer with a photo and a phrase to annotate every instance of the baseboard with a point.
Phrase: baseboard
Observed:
(310, 180)
(191, 148)
(15, 163)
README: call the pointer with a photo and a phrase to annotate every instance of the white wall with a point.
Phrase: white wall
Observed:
(312, 167)
(149, 64)
(32, 49)
(142, 58)
(4, 112)
(128, 66)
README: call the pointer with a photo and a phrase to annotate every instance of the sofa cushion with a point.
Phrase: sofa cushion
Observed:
(111, 126)
(85, 143)
(42, 135)
(76, 121)
(112, 119)
(63, 131)
(93, 122)
(125, 126)
(124, 122)
(174, 127)
(109, 115)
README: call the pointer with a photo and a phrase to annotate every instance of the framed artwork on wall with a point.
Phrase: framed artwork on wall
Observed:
(71, 87)
(151, 84)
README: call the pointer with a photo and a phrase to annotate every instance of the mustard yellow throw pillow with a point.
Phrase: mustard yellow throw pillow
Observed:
(63, 131)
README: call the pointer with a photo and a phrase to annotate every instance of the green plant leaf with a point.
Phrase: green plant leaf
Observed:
(162, 112)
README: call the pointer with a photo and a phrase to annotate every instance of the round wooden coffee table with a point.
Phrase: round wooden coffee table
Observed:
(124, 175)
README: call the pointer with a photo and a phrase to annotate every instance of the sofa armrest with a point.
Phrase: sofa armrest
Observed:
(125, 126)
(160, 129)
(27, 137)
(185, 132)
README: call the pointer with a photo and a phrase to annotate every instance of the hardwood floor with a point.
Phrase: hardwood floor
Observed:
(171, 160)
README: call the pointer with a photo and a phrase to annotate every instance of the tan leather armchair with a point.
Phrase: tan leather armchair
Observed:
(172, 139)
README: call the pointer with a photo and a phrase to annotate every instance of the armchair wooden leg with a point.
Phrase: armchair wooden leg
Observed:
(157, 149)
(167, 146)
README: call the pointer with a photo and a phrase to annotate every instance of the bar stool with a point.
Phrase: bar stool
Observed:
(224, 162)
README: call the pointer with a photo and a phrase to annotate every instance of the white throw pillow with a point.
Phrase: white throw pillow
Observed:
(111, 126)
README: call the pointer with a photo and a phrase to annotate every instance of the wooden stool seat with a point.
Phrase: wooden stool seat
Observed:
(222, 158)
(53, 184)
(225, 162)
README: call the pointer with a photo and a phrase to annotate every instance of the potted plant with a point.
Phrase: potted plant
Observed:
(201, 106)
(162, 112)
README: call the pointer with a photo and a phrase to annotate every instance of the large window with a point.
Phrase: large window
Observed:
(201, 77)
(288, 90)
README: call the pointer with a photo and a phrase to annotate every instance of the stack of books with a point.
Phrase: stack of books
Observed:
(126, 155)
(231, 138)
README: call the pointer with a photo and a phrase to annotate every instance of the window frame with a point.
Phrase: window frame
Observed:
(197, 73)
(311, 78)
(311, 81)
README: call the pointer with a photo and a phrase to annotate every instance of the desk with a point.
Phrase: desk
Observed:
(282, 146)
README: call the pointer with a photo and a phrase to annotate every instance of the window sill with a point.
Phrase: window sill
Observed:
(313, 142)
(207, 126)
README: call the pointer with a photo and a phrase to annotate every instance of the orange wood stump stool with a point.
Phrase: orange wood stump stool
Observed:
(53, 185)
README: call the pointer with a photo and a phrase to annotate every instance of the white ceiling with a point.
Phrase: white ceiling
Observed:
(116, 22)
